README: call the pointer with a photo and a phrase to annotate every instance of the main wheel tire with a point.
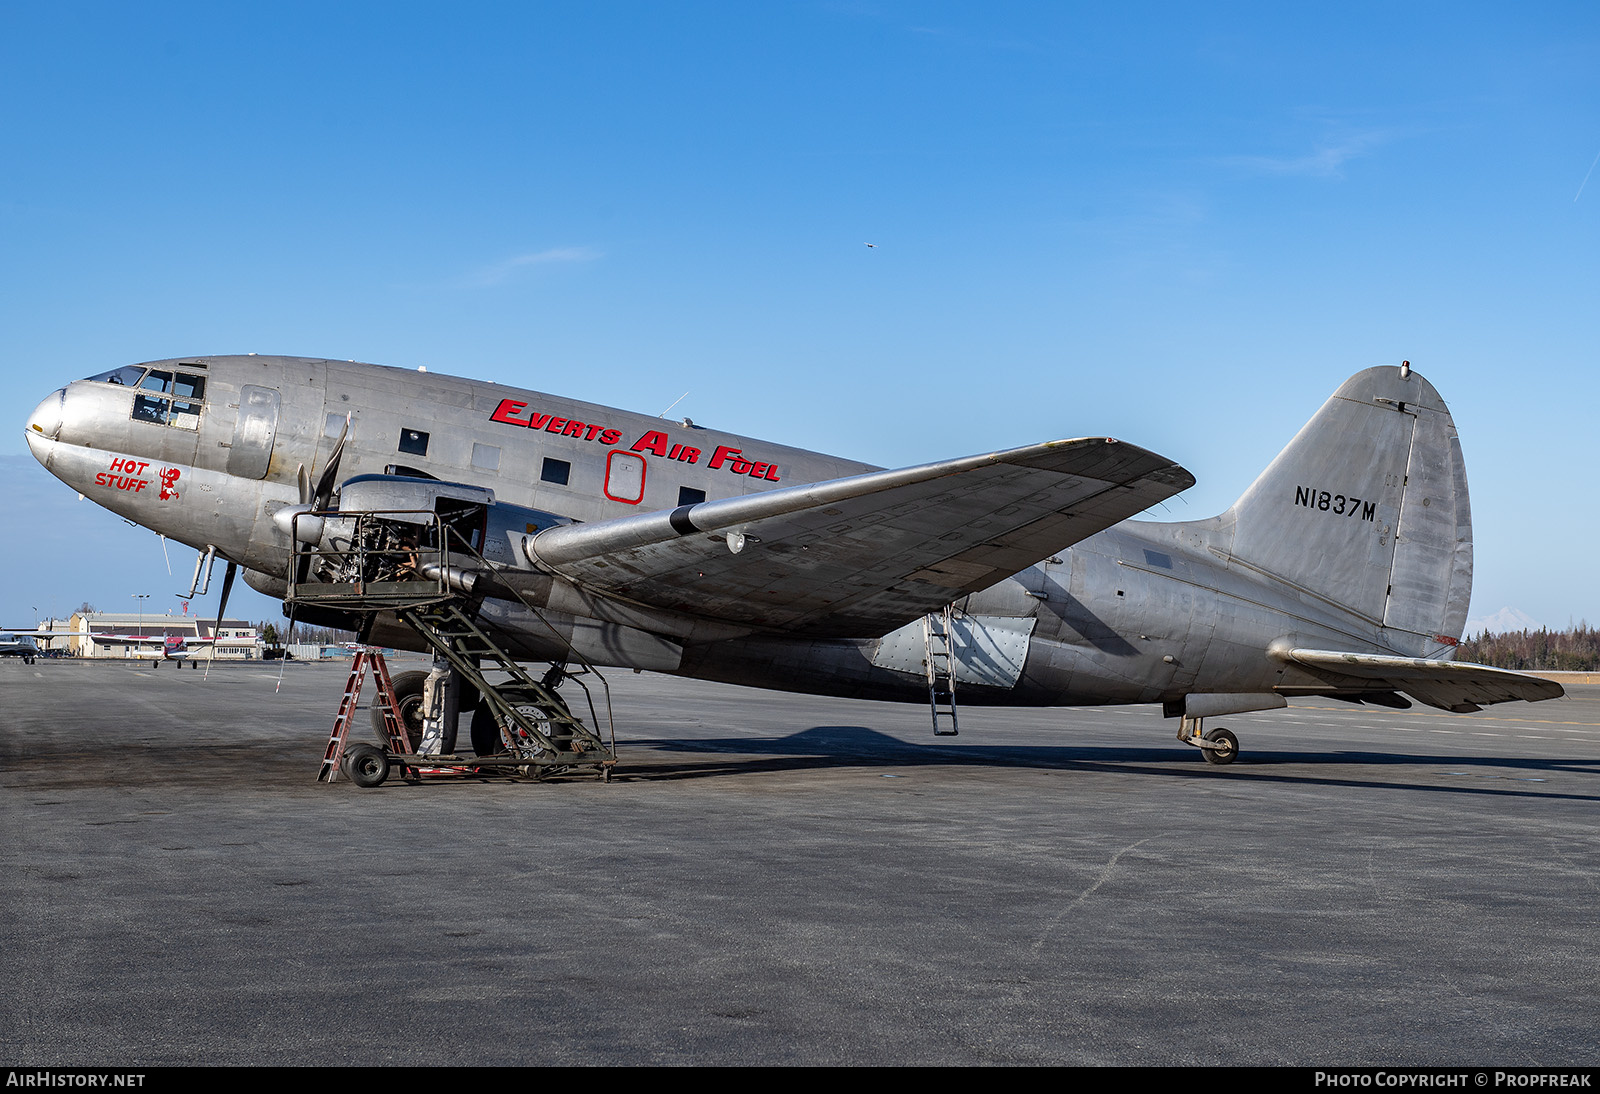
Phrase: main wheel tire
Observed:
(486, 727)
(408, 689)
(367, 765)
(1229, 750)
(485, 731)
(408, 697)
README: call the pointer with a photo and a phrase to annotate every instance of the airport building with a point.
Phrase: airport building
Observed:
(133, 635)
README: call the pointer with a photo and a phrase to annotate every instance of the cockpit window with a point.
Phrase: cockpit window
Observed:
(168, 398)
(127, 376)
(146, 409)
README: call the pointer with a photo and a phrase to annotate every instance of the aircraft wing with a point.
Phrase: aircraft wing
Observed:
(1458, 686)
(859, 556)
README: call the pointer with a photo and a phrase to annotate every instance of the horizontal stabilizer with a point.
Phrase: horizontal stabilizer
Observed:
(1458, 686)
(859, 556)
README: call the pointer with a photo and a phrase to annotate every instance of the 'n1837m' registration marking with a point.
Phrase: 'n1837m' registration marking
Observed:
(1338, 504)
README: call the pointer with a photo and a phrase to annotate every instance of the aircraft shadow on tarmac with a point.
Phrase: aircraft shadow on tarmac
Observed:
(823, 747)
(65, 764)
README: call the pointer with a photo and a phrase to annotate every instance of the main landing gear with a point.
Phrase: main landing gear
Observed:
(1219, 746)
(408, 691)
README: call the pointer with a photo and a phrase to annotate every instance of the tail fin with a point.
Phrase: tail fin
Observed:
(1367, 507)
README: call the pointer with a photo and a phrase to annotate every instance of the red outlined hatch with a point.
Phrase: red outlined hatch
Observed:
(625, 477)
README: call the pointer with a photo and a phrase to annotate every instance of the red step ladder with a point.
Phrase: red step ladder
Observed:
(399, 744)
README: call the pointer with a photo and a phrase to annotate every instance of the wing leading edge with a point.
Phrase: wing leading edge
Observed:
(1457, 686)
(859, 556)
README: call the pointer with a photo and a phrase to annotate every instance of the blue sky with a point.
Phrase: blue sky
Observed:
(1181, 225)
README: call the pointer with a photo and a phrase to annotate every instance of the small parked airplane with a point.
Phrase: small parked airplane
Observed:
(174, 647)
(20, 644)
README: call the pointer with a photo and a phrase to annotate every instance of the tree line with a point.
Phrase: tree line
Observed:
(1576, 649)
(293, 634)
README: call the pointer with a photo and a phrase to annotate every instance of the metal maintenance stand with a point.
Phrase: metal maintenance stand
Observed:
(401, 563)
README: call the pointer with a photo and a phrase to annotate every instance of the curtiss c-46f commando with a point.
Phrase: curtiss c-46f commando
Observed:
(434, 511)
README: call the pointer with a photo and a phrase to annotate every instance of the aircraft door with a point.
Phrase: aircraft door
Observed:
(254, 432)
(625, 477)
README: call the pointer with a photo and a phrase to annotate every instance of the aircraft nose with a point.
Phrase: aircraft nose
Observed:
(46, 417)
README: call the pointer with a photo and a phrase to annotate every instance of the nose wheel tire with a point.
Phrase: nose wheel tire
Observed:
(1227, 749)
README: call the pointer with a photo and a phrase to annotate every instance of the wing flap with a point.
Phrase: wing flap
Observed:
(859, 556)
(1459, 686)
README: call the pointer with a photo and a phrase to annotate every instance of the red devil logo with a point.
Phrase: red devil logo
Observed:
(169, 475)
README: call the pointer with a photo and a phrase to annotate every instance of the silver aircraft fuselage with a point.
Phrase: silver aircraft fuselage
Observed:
(206, 450)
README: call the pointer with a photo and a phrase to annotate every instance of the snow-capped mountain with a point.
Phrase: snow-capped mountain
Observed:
(1504, 621)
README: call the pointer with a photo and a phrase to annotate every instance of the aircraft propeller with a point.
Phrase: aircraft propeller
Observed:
(227, 587)
(308, 529)
(325, 484)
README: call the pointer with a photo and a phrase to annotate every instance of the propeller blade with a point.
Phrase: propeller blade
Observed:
(304, 479)
(222, 606)
(329, 473)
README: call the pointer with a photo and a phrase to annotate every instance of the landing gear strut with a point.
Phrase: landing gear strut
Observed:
(1219, 746)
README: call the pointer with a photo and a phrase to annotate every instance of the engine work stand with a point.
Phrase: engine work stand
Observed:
(539, 736)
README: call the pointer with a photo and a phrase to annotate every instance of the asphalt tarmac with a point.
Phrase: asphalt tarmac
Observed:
(780, 879)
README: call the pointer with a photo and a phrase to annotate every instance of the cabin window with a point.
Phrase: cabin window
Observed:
(486, 457)
(555, 471)
(688, 495)
(414, 442)
(169, 398)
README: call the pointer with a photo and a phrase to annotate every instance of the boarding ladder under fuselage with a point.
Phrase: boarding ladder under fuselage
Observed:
(939, 657)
